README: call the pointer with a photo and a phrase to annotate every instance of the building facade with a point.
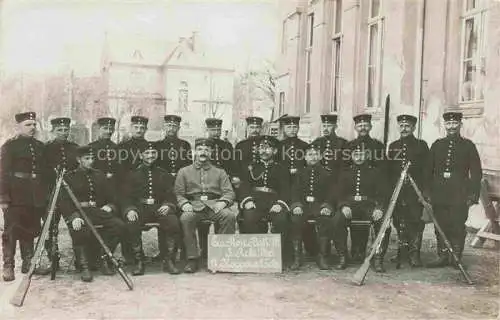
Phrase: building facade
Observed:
(347, 56)
(153, 78)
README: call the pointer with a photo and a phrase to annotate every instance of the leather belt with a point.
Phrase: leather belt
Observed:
(264, 189)
(25, 175)
(203, 196)
(88, 204)
(148, 201)
(358, 198)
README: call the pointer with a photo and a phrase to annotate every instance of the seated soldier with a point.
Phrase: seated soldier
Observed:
(148, 196)
(359, 196)
(265, 191)
(310, 193)
(203, 192)
(98, 199)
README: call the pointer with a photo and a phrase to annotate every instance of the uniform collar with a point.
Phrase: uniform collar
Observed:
(205, 166)
(411, 137)
(268, 163)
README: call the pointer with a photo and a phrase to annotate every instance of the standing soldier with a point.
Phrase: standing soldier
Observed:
(60, 154)
(223, 150)
(106, 151)
(22, 193)
(129, 158)
(291, 155)
(203, 192)
(148, 196)
(98, 198)
(310, 196)
(332, 146)
(376, 149)
(265, 193)
(130, 149)
(408, 210)
(173, 152)
(455, 178)
(360, 196)
(246, 152)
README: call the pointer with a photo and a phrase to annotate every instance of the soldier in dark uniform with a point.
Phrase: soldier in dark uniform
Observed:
(291, 155)
(376, 149)
(130, 149)
(173, 153)
(203, 192)
(148, 196)
(360, 195)
(98, 198)
(455, 174)
(60, 154)
(223, 150)
(105, 150)
(332, 146)
(246, 152)
(310, 196)
(129, 158)
(23, 193)
(407, 216)
(265, 193)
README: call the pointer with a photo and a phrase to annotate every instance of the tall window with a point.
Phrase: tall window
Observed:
(473, 53)
(336, 58)
(281, 106)
(310, 33)
(374, 59)
(284, 37)
(183, 96)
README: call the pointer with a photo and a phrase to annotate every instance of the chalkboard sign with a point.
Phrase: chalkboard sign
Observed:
(245, 253)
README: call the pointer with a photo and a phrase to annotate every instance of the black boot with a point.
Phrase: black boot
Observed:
(443, 258)
(26, 255)
(191, 266)
(8, 250)
(414, 251)
(169, 260)
(297, 254)
(107, 267)
(81, 255)
(457, 249)
(378, 259)
(341, 247)
(324, 244)
(139, 267)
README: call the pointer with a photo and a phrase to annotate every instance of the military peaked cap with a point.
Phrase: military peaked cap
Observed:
(106, 121)
(172, 118)
(452, 116)
(406, 118)
(213, 123)
(61, 121)
(23, 116)
(139, 120)
(254, 120)
(364, 117)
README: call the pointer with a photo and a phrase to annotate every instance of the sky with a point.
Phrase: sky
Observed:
(47, 36)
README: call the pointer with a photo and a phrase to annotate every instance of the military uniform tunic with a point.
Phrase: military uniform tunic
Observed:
(246, 153)
(454, 173)
(311, 192)
(376, 155)
(173, 154)
(92, 190)
(145, 190)
(332, 149)
(361, 188)
(23, 187)
(223, 156)
(130, 151)
(266, 184)
(291, 154)
(106, 157)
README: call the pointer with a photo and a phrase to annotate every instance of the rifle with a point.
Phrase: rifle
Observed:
(107, 252)
(440, 231)
(386, 119)
(359, 276)
(22, 289)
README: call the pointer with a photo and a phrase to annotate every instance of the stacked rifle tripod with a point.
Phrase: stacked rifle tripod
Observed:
(48, 229)
(359, 276)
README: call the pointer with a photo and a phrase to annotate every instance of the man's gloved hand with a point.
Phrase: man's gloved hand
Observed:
(249, 205)
(297, 211)
(377, 214)
(325, 212)
(163, 210)
(187, 207)
(276, 208)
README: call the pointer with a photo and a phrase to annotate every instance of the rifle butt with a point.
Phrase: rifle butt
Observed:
(21, 291)
(360, 275)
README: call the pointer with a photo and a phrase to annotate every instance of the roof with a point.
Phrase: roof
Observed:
(139, 50)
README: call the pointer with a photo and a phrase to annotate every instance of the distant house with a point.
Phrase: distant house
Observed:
(152, 78)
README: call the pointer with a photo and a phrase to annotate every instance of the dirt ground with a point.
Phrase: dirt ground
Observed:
(308, 294)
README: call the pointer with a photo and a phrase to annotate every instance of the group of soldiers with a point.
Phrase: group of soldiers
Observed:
(310, 193)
